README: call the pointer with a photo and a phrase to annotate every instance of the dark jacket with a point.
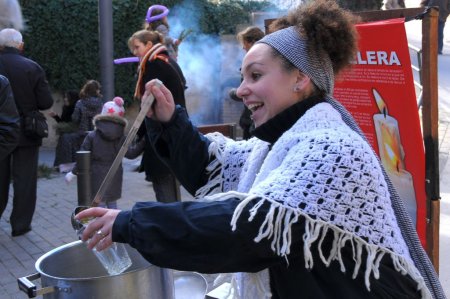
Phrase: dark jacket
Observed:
(104, 143)
(172, 78)
(444, 7)
(84, 112)
(29, 85)
(66, 114)
(157, 230)
(9, 120)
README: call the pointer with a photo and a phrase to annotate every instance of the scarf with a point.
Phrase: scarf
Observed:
(326, 173)
(153, 54)
(295, 48)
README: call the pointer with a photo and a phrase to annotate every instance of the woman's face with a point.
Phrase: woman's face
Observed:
(140, 49)
(267, 88)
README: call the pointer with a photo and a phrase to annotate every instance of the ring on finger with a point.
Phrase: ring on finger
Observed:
(100, 233)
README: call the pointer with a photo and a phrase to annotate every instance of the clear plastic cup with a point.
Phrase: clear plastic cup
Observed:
(115, 258)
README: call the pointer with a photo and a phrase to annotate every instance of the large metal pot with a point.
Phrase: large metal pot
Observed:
(73, 271)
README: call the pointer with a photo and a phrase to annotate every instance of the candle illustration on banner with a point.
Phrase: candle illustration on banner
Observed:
(392, 155)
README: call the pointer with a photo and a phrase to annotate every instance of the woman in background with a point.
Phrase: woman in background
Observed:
(70, 98)
(86, 108)
(68, 143)
(155, 63)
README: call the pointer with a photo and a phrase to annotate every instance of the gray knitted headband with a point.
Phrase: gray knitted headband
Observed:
(295, 49)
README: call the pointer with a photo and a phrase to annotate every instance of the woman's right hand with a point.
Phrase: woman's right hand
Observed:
(164, 106)
(98, 231)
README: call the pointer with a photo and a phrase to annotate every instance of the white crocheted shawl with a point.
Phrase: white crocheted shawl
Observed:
(321, 170)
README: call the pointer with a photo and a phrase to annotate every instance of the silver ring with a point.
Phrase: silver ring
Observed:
(100, 233)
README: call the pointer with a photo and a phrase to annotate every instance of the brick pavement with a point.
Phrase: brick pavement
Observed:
(51, 223)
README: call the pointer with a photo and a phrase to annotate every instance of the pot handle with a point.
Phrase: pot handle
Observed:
(26, 286)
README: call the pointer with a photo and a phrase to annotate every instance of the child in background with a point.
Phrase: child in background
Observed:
(162, 26)
(104, 143)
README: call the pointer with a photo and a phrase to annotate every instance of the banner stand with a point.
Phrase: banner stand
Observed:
(429, 116)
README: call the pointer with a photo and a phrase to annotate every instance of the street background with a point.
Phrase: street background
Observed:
(56, 199)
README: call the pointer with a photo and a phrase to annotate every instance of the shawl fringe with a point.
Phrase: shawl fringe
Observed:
(214, 170)
(277, 227)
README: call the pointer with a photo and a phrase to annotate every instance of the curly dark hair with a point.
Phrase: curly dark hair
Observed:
(278, 24)
(328, 28)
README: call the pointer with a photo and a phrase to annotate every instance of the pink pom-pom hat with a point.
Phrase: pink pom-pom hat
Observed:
(114, 107)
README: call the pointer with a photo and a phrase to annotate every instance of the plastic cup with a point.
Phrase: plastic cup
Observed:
(115, 258)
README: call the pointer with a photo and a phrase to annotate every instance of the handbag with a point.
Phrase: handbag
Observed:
(35, 125)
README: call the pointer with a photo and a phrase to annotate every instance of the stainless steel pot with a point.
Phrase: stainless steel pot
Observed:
(73, 271)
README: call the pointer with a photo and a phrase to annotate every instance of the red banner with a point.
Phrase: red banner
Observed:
(379, 93)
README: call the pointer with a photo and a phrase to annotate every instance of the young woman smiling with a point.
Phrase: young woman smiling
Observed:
(300, 210)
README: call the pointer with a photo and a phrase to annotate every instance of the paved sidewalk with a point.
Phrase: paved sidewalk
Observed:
(51, 222)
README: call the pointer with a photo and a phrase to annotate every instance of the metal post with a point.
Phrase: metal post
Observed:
(84, 178)
(105, 21)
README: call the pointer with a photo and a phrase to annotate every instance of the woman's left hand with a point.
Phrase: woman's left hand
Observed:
(98, 231)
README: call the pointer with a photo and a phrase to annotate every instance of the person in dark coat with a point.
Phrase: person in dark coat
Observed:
(301, 210)
(70, 99)
(104, 143)
(9, 120)
(68, 143)
(156, 64)
(444, 11)
(86, 108)
(31, 93)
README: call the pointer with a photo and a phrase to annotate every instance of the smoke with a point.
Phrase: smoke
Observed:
(11, 15)
(203, 59)
(210, 63)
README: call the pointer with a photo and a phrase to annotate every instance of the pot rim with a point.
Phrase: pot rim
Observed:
(37, 265)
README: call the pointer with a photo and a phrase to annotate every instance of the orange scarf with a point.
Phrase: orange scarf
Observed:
(153, 54)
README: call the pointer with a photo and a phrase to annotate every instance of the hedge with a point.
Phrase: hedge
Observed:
(62, 35)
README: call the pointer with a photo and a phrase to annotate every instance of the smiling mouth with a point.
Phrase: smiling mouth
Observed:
(254, 107)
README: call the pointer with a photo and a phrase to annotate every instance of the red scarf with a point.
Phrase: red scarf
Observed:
(153, 54)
